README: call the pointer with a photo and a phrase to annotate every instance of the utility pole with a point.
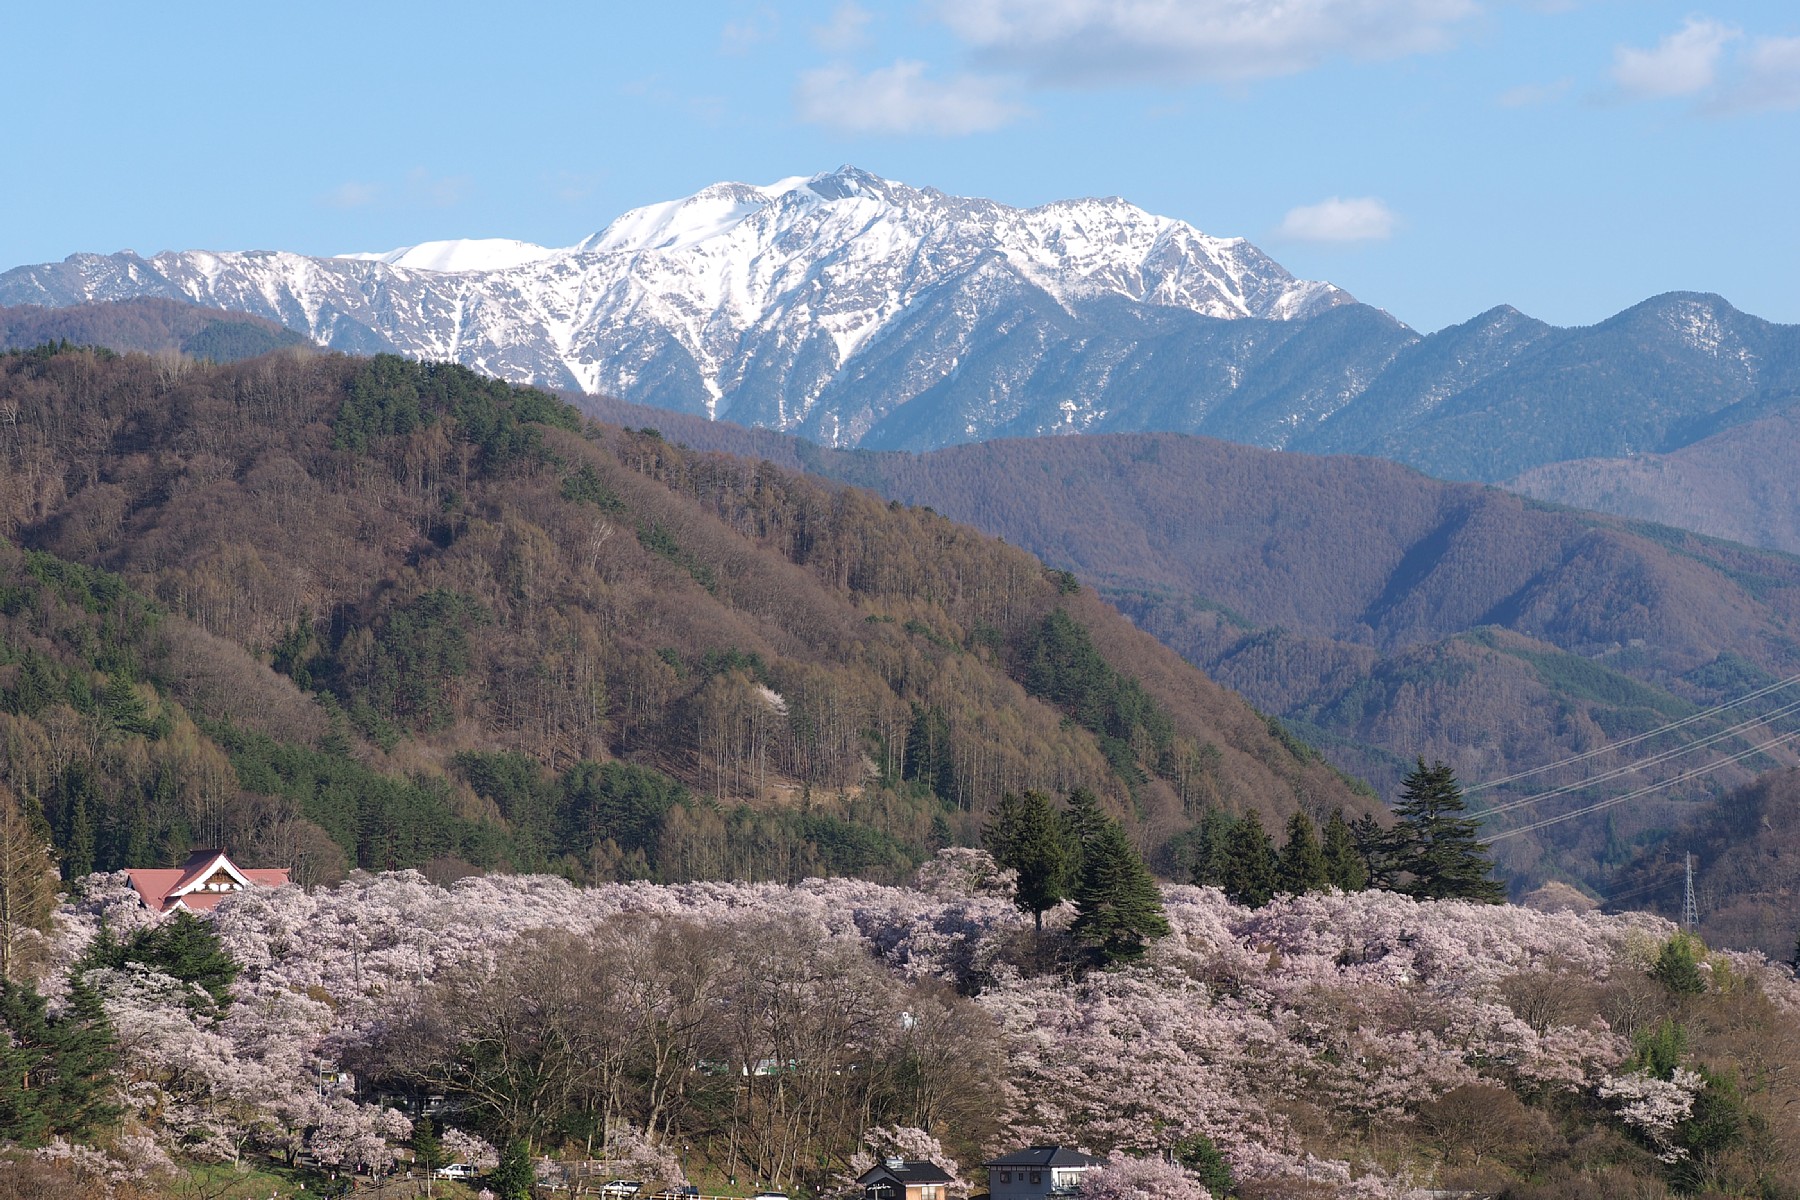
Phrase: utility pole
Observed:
(1690, 910)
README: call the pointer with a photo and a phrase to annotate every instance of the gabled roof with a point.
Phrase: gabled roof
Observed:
(905, 1172)
(164, 889)
(1046, 1156)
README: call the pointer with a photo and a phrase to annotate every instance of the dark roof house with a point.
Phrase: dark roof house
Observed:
(900, 1179)
(1038, 1172)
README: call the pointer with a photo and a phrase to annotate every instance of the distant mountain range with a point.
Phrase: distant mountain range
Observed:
(1380, 613)
(148, 327)
(859, 312)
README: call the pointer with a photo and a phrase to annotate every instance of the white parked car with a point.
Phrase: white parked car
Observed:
(455, 1171)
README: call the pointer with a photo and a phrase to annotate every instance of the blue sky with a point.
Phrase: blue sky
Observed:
(1435, 157)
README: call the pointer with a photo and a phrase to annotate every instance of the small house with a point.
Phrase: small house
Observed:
(900, 1179)
(1039, 1172)
(207, 877)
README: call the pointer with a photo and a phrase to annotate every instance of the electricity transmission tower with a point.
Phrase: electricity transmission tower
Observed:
(1690, 910)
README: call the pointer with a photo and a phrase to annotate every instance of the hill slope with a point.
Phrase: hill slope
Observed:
(486, 599)
(1740, 484)
(148, 326)
(1382, 613)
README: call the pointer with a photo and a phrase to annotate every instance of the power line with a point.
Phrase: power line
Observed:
(1656, 759)
(1636, 738)
(1645, 790)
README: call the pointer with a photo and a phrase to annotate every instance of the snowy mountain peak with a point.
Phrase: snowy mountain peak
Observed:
(462, 254)
(769, 302)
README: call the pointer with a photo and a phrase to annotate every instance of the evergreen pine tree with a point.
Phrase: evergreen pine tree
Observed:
(183, 947)
(55, 1075)
(1252, 871)
(1212, 853)
(514, 1177)
(1439, 849)
(1082, 821)
(27, 880)
(1118, 907)
(1342, 862)
(123, 708)
(1678, 964)
(1303, 867)
(1377, 850)
(1027, 836)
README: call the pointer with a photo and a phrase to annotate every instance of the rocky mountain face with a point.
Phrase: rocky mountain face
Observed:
(859, 312)
(1501, 394)
(846, 307)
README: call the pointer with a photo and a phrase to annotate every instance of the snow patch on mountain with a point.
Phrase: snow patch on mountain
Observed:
(461, 254)
(738, 299)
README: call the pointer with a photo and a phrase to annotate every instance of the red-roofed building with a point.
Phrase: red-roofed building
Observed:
(206, 878)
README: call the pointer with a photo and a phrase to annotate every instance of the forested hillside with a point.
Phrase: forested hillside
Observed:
(337, 612)
(1740, 483)
(1746, 848)
(1383, 614)
(149, 326)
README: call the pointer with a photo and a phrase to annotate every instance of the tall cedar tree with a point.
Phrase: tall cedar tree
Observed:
(1082, 821)
(1437, 846)
(1378, 850)
(27, 883)
(1212, 855)
(1252, 871)
(1026, 836)
(55, 1075)
(1346, 867)
(1303, 867)
(1118, 909)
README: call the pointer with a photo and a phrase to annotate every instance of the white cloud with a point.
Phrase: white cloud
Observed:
(1683, 64)
(1770, 79)
(742, 36)
(1097, 42)
(847, 30)
(900, 99)
(1339, 219)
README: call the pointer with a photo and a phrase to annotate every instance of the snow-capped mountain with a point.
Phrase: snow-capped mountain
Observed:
(845, 306)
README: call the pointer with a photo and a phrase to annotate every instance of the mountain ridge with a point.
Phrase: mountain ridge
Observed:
(735, 295)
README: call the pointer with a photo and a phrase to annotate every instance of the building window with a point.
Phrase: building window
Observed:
(930, 1191)
(1006, 1177)
(1037, 1177)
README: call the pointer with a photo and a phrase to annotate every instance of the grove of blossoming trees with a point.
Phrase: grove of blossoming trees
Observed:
(1327, 1045)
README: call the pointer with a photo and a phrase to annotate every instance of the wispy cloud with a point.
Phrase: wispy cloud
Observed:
(1769, 78)
(435, 191)
(902, 99)
(1080, 43)
(846, 31)
(351, 194)
(746, 33)
(1685, 63)
(1340, 219)
(1533, 95)
(1717, 66)
(419, 188)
